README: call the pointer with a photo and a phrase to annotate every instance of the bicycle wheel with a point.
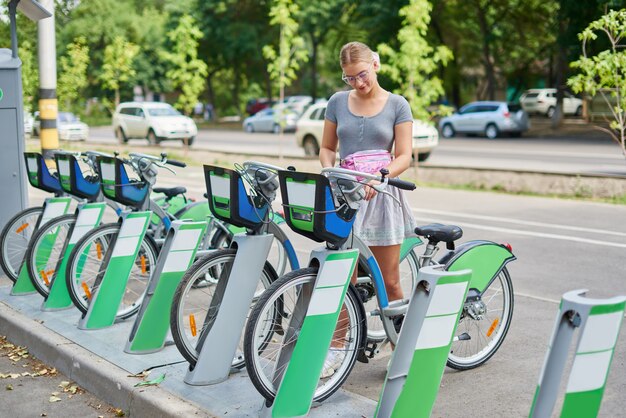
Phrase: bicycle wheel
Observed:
(483, 325)
(409, 268)
(14, 240)
(87, 264)
(192, 302)
(266, 332)
(46, 249)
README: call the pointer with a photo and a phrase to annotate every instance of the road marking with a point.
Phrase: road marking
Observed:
(533, 234)
(519, 221)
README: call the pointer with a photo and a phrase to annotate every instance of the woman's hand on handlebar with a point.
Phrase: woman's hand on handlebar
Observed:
(370, 191)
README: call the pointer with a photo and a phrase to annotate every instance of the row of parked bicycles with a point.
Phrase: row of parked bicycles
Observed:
(241, 207)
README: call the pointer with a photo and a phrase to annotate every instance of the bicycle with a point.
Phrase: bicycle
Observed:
(18, 231)
(89, 258)
(195, 307)
(328, 218)
(46, 248)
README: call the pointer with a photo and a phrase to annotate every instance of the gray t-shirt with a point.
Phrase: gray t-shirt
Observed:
(361, 133)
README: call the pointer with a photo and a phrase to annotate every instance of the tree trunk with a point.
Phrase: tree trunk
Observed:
(236, 83)
(315, 45)
(117, 97)
(490, 72)
(561, 70)
(211, 95)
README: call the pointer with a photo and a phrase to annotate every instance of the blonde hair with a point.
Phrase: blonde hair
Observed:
(353, 52)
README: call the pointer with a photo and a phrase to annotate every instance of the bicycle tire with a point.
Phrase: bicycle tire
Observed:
(103, 236)
(253, 345)
(497, 326)
(38, 271)
(184, 308)
(11, 259)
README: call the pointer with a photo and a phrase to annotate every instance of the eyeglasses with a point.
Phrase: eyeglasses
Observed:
(363, 76)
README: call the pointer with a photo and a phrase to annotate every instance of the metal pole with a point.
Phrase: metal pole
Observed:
(48, 104)
(12, 13)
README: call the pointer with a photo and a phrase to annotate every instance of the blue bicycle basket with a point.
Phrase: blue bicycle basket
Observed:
(117, 186)
(229, 200)
(38, 174)
(310, 208)
(72, 179)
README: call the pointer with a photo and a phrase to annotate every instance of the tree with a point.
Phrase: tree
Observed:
(30, 74)
(73, 72)
(605, 72)
(188, 72)
(416, 62)
(118, 65)
(284, 63)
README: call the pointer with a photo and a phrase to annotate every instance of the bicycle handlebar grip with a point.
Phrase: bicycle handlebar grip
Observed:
(176, 163)
(401, 184)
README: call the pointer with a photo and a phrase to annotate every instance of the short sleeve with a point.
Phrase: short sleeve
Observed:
(403, 111)
(331, 109)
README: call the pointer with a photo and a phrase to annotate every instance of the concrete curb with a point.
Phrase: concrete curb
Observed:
(91, 372)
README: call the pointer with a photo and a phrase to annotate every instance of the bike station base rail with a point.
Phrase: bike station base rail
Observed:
(96, 361)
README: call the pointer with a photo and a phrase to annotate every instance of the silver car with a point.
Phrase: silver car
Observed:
(267, 120)
(488, 118)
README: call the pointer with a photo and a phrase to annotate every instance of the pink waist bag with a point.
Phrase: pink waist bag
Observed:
(370, 161)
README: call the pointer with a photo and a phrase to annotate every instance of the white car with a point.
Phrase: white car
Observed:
(154, 121)
(543, 101)
(69, 127)
(310, 127)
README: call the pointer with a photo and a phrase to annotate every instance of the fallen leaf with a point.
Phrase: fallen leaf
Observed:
(64, 384)
(9, 387)
(15, 375)
(152, 382)
(42, 372)
(43, 414)
(4, 376)
(54, 399)
(142, 375)
(25, 374)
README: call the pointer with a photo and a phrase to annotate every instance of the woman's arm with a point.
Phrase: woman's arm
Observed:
(404, 149)
(328, 150)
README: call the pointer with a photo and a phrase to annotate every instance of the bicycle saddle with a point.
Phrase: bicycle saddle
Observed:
(439, 232)
(170, 191)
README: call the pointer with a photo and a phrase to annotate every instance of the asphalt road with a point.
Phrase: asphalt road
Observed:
(591, 154)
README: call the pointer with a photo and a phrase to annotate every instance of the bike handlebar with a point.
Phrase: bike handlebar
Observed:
(401, 184)
(176, 163)
(259, 164)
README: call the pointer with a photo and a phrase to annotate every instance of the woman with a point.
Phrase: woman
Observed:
(369, 118)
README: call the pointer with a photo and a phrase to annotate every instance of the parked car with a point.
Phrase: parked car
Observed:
(154, 121)
(488, 118)
(543, 101)
(69, 127)
(310, 127)
(29, 121)
(255, 105)
(267, 120)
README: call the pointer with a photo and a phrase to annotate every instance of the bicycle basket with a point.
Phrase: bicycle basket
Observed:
(117, 186)
(38, 174)
(72, 179)
(229, 201)
(310, 207)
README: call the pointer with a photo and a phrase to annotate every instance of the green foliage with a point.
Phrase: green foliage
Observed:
(117, 69)
(30, 74)
(72, 79)
(285, 62)
(605, 72)
(188, 72)
(416, 62)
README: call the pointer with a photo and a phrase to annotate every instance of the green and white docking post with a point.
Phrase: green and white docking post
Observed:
(153, 321)
(121, 256)
(310, 330)
(418, 362)
(53, 207)
(88, 217)
(234, 293)
(599, 321)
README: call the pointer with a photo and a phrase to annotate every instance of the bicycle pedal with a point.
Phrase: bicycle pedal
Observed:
(368, 352)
